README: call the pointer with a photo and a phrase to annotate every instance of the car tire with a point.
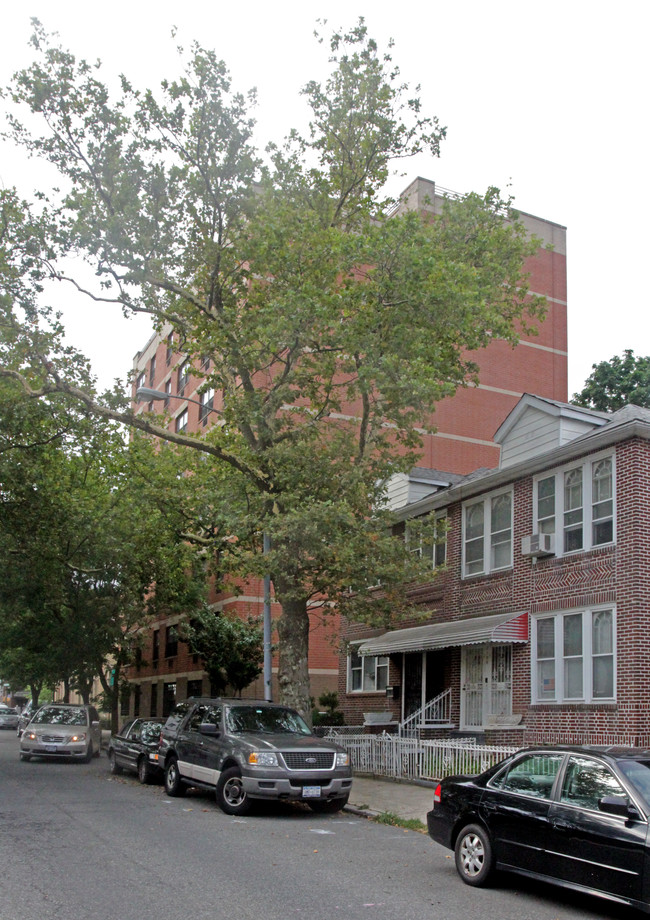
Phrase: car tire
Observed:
(144, 771)
(230, 793)
(474, 860)
(174, 785)
(25, 757)
(328, 806)
(115, 768)
(89, 753)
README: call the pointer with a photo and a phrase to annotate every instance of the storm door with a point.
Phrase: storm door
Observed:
(486, 684)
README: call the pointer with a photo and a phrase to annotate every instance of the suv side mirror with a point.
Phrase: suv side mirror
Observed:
(209, 728)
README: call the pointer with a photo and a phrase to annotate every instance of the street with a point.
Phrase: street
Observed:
(78, 842)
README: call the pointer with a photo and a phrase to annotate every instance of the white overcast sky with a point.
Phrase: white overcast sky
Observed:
(547, 99)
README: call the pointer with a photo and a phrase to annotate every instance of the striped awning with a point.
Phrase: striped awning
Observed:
(498, 627)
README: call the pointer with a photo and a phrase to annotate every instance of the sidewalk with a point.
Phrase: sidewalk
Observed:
(372, 796)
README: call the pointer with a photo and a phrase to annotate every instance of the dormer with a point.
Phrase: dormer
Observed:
(537, 425)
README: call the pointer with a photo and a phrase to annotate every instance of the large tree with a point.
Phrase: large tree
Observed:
(615, 383)
(333, 324)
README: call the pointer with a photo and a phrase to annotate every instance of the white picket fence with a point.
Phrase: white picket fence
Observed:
(410, 758)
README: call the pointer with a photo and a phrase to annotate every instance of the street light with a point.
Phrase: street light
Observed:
(146, 394)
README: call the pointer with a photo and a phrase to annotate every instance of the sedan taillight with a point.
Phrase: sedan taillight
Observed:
(437, 795)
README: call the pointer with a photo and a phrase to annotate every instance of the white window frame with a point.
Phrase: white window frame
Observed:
(587, 466)
(369, 665)
(181, 422)
(563, 662)
(487, 503)
(434, 551)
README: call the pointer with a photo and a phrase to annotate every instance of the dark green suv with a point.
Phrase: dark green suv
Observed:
(247, 750)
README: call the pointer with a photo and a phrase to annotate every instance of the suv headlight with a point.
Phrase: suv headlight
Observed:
(263, 759)
(342, 759)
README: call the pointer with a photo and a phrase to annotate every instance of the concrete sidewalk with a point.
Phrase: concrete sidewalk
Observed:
(373, 796)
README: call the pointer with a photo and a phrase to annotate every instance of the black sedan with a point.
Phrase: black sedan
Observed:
(135, 748)
(573, 816)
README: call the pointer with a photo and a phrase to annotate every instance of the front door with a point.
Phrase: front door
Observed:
(486, 684)
(412, 683)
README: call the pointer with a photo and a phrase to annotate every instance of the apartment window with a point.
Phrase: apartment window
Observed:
(152, 371)
(207, 404)
(487, 543)
(181, 421)
(205, 363)
(368, 674)
(155, 653)
(574, 657)
(432, 546)
(169, 698)
(183, 377)
(168, 393)
(576, 503)
(140, 382)
(171, 642)
(170, 349)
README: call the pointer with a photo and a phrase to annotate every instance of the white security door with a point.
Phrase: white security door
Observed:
(486, 684)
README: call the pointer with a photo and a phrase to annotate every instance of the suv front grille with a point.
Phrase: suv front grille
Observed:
(309, 760)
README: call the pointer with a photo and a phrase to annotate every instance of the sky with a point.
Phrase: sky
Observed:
(547, 101)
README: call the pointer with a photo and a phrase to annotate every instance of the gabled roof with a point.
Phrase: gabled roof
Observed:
(549, 407)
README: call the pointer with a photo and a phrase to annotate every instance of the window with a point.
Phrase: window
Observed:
(586, 781)
(574, 657)
(183, 377)
(169, 698)
(432, 546)
(137, 693)
(487, 543)
(170, 348)
(168, 393)
(153, 706)
(205, 363)
(152, 371)
(194, 688)
(207, 404)
(155, 654)
(531, 775)
(181, 421)
(368, 674)
(576, 504)
(140, 382)
(171, 642)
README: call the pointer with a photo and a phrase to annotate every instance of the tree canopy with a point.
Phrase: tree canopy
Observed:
(333, 321)
(615, 383)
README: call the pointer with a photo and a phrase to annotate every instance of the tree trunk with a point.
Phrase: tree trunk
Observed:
(293, 659)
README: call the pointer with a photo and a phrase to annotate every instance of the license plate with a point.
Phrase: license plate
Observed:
(51, 748)
(311, 792)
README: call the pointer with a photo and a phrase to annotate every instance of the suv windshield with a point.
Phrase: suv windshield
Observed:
(267, 719)
(51, 715)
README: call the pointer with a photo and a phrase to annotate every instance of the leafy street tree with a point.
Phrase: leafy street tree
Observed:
(615, 383)
(232, 650)
(333, 325)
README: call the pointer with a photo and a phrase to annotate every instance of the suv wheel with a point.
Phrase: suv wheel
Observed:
(231, 795)
(174, 785)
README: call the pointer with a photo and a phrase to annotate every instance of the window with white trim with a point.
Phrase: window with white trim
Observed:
(574, 656)
(432, 546)
(181, 421)
(367, 674)
(576, 503)
(207, 404)
(487, 534)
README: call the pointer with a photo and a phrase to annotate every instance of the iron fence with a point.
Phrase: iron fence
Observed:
(411, 758)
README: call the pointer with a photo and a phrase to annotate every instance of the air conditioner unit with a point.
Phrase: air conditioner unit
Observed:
(538, 544)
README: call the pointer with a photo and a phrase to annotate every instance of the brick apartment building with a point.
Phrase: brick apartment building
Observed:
(538, 625)
(463, 442)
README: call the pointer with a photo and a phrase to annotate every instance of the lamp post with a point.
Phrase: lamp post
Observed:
(146, 394)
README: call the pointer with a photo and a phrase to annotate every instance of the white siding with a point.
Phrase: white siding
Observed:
(536, 432)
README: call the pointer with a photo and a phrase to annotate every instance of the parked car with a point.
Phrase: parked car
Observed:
(246, 750)
(64, 731)
(573, 816)
(8, 717)
(26, 716)
(135, 748)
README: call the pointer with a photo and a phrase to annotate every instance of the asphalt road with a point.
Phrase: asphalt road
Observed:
(76, 842)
